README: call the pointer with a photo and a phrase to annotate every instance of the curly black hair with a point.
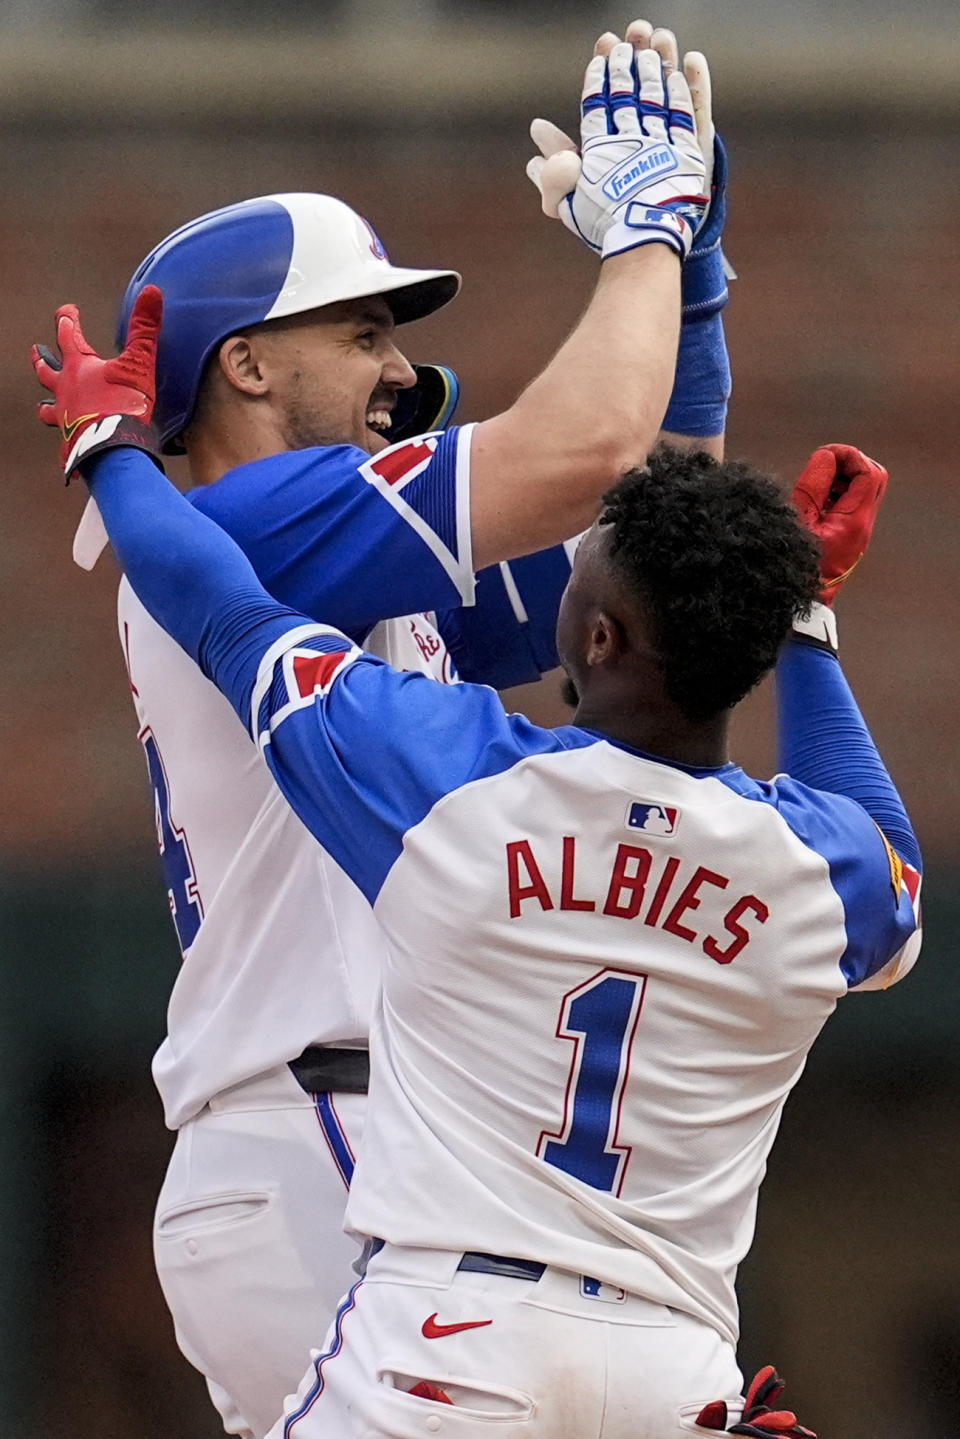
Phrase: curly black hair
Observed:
(722, 565)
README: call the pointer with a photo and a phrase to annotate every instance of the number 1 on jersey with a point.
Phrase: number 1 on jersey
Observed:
(601, 1018)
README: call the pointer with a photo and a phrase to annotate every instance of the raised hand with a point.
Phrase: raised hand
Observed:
(98, 403)
(639, 177)
(837, 497)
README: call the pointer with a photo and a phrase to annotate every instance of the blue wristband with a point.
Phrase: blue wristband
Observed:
(703, 283)
(701, 390)
(704, 280)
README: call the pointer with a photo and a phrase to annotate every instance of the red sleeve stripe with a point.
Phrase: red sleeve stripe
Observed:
(398, 464)
(315, 672)
(911, 882)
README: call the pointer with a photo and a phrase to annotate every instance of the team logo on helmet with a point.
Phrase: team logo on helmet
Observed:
(377, 246)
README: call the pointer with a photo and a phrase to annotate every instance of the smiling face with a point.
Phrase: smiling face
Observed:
(329, 376)
(336, 374)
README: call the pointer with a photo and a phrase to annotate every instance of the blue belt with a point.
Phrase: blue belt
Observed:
(473, 1263)
(523, 1269)
(498, 1264)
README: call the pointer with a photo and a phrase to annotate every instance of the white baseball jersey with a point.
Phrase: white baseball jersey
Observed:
(285, 952)
(604, 970)
(280, 948)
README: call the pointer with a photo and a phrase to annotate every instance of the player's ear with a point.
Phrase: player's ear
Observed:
(240, 364)
(607, 640)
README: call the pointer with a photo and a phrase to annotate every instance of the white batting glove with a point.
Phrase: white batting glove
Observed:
(640, 176)
(697, 74)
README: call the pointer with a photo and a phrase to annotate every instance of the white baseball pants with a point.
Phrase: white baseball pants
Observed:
(248, 1239)
(558, 1357)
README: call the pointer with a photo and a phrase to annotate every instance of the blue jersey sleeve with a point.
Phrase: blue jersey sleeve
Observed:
(344, 734)
(879, 892)
(824, 741)
(841, 800)
(508, 636)
(188, 574)
(351, 538)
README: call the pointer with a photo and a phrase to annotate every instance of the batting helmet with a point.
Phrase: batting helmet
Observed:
(259, 260)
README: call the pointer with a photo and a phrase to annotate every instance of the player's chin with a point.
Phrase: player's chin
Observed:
(375, 440)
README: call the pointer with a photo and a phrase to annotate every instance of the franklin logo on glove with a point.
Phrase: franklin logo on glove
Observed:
(633, 173)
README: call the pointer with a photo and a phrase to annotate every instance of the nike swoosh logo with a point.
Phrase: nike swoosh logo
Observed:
(432, 1330)
(839, 579)
(69, 426)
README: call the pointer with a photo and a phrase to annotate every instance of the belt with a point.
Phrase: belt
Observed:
(500, 1264)
(525, 1269)
(319, 1070)
(507, 1267)
(474, 1263)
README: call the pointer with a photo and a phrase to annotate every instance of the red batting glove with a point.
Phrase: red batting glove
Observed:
(426, 1390)
(837, 497)
(100, 403)
(758, 1419)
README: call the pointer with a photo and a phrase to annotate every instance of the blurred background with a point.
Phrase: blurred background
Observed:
(119, 122)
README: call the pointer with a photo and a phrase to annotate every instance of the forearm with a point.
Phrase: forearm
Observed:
(189, 575)
(824, 742)
(609, 384)
(593, 412)
(696, 417)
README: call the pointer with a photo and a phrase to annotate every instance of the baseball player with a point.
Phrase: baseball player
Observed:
(279, 334)
(583, 1041)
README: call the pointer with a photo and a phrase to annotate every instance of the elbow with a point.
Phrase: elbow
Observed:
(622, 440)
(615, 453)
(592, 470)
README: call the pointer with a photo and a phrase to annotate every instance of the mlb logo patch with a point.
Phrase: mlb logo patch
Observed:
(606, 1293)
(652, 818)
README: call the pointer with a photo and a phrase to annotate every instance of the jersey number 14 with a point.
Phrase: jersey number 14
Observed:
(185, 903)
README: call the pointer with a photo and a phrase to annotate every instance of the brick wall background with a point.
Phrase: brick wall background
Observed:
(844, 325)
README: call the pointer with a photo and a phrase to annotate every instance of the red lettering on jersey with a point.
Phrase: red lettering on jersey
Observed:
(517, 850)
(663, 889)
(689, 899)
(731, 922)
(621, 880)
(314, 672)
(394, 465)
(567, 900)
(426, 644)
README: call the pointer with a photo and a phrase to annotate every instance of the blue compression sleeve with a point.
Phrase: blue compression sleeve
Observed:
(701, 391)
(499, 642)
(698, 405)
(195, 582)
(824, 742)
